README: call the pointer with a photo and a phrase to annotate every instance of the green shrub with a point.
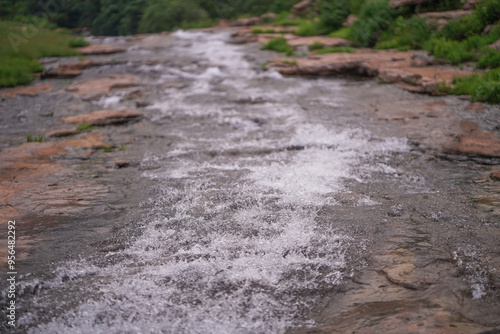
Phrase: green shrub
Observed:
(483, 87)
(344, 32)
(316, 46)
(312, 29)
(488, 11)
(405, 34)
(453, 51)
(333, 13)
(77, 42)
(374, 17)
(440, 6)
(355, 6)
(278, 44)
(335, 49)
(467, 26)
(34, 139)
(490, 59)
(165, 15)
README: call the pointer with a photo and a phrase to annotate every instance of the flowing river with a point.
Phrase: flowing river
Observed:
(267, 196)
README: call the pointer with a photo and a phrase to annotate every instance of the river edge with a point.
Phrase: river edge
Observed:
(105, 208)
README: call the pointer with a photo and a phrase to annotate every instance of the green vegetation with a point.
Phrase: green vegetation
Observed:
(22, 45)
(335, 49)
(333, 13)
(85, 127)
(344, 33)
(316, 46)
(263, 31)
(405, 34)
(122, 147)
(289, 62)
(34, 139)
(279, 44)
(77, 42)
(483, 87)
(107, 149)
(374, 17)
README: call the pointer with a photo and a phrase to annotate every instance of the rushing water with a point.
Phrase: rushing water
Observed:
(231, 243)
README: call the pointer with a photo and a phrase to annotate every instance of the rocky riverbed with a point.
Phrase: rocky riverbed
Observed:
(204, 193)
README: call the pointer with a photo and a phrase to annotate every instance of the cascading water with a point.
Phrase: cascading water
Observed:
(232, 243)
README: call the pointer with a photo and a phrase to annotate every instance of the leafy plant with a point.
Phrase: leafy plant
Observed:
(375, 16)
(77, 42)
(484, 87)
(454, 51)
(316, 46)
(333, 13)
(38, 139)
(279, 44)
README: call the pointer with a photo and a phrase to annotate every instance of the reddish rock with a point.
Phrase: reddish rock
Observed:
(250, 21)
(350, 20)
(97, 88)
(476, 106)
(476, 142)
(61, 73)
(469, 126)
(395, 75)
(495, 175)
(29, 91)
(100, 49)
(440, 19)
(104, 117)
(496, 45)
(302, 7)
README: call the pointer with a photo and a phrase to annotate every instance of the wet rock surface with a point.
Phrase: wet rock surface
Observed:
(411, 231)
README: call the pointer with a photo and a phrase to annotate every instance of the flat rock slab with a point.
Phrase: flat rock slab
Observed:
(105, 117)
(364, 62)
(475, 142)
(100, 49)
(389, 66)
(97, 88)
(29, 91)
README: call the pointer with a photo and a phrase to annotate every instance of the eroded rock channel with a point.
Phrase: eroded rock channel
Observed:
(204, 194)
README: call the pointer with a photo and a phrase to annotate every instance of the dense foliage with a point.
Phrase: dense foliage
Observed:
(110, 17)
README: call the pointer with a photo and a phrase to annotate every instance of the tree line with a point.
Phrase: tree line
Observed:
(111, 17)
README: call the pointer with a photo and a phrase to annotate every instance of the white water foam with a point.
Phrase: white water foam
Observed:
(232, 244)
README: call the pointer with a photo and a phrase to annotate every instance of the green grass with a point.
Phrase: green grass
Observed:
(77, 42)
(279, 44)
(312, 28)
(289, 62)
(122, 147)
(335, 49)
(453, 51)
(484, 87)
(344, 33)
(85, 127)
(316, 46)
(21, 46)
(34, 139)
(405, 34)
(263, 31)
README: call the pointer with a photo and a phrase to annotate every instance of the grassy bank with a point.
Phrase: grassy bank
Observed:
(22, 45)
